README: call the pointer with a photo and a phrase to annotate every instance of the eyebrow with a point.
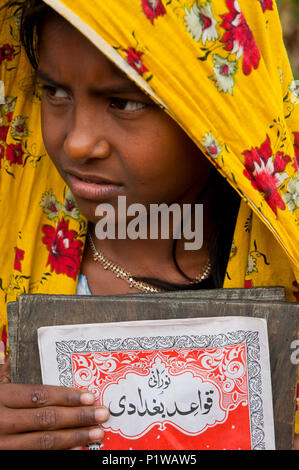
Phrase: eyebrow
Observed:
(127, 86)
(46, 78)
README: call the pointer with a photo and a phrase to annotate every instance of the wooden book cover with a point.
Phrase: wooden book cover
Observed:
(32, 312)
(14, 322)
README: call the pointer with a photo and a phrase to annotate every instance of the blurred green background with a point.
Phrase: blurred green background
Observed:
(289, 15)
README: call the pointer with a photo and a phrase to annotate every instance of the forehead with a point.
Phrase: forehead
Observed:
(64, 49)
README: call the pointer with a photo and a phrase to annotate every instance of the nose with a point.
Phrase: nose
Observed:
(86, 138)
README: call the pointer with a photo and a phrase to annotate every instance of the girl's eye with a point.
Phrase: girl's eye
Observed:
(123, 104)
(55, 93)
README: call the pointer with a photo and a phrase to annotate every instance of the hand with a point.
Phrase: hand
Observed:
(37, 417)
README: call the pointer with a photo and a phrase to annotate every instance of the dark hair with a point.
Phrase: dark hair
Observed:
(33, 15)
(223, 196)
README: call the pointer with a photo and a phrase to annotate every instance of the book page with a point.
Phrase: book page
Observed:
(200, 383)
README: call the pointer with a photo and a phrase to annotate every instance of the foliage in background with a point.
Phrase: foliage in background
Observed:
(289, 14)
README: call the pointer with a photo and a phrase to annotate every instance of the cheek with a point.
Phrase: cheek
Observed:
(147, 161)
(165, 156)
(52, 133)
(159, 170)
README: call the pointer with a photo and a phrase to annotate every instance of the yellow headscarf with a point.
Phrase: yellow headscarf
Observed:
(220, 69)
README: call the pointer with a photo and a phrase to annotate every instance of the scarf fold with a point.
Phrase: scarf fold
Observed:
(221, 71)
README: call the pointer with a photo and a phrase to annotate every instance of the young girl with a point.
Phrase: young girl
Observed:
(157, 103)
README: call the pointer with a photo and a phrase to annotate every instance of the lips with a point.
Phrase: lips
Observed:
(92, 178)
(94, 188)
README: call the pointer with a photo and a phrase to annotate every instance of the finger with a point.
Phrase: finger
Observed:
(50, 418)
(52, 440)
(32, 396)
(5, 379)
(5, 372)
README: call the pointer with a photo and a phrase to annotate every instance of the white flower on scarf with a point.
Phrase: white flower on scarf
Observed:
(211, 145)
(294, 91)
(251, 265)
(200, 22)
(70, 207)
(291, 197)
(225, 70)
(19, 127)
(50, 205)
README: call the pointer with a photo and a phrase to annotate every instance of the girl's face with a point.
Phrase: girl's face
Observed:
(106, 137)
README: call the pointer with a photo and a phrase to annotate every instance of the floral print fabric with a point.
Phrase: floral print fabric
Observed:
(246, 119)
(220, 69)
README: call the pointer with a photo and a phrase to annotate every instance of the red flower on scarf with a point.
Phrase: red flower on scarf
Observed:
(153, 8)
(266, 4)
(263, 169)
(65, 250)
(4, 335)
(14, 153)
(9, 116)
(296, 146)
(239, 38)
(4, 338)
(134, 59)
(6, 53)
(3, 133)
(19, 256)
(1, 153)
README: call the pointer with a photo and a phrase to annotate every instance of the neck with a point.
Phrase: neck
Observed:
(148, 257)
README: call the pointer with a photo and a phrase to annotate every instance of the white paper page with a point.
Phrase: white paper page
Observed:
(190, 376)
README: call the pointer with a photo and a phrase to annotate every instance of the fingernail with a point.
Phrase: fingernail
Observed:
(87, 398)
(101, 414)
(96, 434)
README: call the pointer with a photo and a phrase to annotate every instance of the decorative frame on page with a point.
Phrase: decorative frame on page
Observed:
(201, 383)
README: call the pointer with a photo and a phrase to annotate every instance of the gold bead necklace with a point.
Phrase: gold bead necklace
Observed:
(120, 272)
